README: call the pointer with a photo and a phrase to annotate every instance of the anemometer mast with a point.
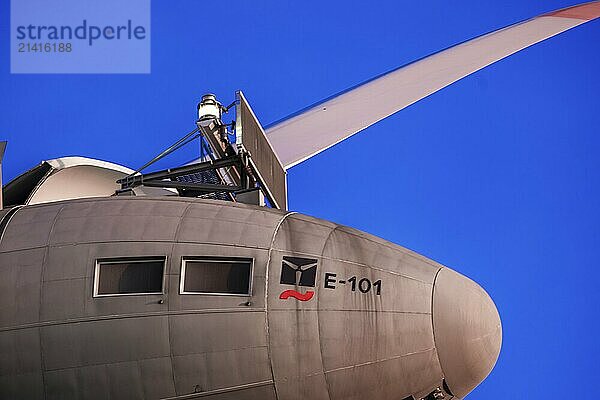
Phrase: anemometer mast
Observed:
(211, 126)
(210, 112)
(236, 163)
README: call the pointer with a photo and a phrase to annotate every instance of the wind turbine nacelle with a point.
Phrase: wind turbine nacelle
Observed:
(148, 298)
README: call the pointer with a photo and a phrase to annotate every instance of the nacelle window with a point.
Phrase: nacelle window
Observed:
(216, 275)
(129, 276)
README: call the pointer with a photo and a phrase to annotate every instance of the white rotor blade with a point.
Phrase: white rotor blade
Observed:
(321, 126)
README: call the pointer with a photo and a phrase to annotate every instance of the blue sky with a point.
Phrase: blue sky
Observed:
(496, 176)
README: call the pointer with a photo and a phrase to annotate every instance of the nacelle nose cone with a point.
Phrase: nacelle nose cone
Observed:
(467, 331)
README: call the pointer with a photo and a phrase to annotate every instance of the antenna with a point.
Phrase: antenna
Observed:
(2, 148)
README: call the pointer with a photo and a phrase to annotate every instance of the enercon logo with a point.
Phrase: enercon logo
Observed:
(298, 271)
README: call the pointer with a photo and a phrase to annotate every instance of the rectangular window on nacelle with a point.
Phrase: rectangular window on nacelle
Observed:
(216, 275)
(129, 276)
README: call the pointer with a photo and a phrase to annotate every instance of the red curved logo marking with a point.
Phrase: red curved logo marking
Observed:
(286, 294)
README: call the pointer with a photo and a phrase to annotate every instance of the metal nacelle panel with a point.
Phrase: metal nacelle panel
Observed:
(89, 343)
(21, 364)
(20, 287)
(91, 306)
(141, 346)
(63, 299)
(29, 228)
(20, 351)
(214, 370)
(214, 350)
(347, 341)
(468, 326)
(218, 223)
(216, 331)
(392, 378)
(303, 235)
(207, 301)
(354, 246)
(144, 379)
(358, 323)
(294, 338)
(112, 220)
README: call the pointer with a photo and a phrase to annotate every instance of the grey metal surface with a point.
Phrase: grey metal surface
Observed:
(57, 341)
(468, 333)
(360, 345)
(250, 134)
(2, 149)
